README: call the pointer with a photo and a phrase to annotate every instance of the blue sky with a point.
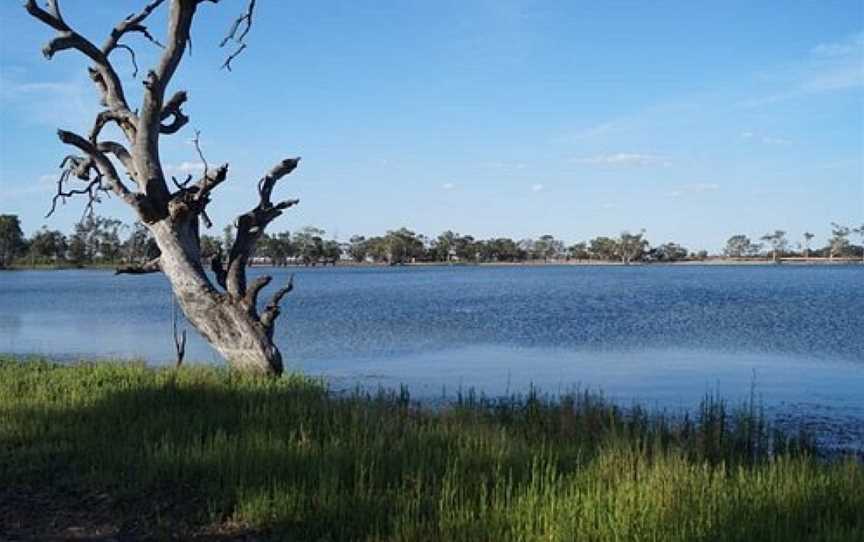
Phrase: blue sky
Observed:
(690, 120)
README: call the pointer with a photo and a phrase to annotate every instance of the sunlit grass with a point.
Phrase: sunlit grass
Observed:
(202, 448)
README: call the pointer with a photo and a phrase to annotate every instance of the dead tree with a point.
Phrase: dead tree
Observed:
(225, 312)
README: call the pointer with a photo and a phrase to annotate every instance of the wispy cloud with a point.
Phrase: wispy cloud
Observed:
(693, 188)
(503, 166)
(766, 139)
(26, 189)
(591, 132)
(70, 103)
(829, 67)
(448, 186)
(537, 187)
(852, 45)
(623, 159)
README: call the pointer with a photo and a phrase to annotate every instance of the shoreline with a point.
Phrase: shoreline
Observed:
(709, 262)
(835, 436)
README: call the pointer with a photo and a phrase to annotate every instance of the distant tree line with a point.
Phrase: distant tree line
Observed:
(776, 245)
(102, 241)
(93, 241)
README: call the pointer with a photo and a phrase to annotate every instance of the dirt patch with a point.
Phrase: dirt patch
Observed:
(59, 513)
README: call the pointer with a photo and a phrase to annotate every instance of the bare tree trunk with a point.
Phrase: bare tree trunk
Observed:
(231, 324)
(227, 318)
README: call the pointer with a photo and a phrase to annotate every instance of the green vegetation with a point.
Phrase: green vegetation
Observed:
(114, 448)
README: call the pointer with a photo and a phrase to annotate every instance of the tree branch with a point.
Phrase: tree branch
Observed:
(208, 182)
(146, 150)
(237, 33)
(266, 184)
(152, 266)
(218, 268)
(272, 311)
(103, 73)
(81, 168)
(227, 64)
(197, 142)
(251, 297)
(131, 52)
(251, 225)
(124, 119)
(103, 165)
(132, 23)
(121, 153)
(173, 108)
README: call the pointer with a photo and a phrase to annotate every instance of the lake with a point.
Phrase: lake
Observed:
(661, 335)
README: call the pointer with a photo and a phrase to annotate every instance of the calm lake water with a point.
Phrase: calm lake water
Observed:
(662, 335)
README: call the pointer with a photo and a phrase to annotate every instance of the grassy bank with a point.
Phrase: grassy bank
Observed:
(109, 449)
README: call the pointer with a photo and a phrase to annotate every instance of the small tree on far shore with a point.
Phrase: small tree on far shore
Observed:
(806, 244)
(778, 243)
(859, 231)
(839, 243)
(740, 246)
(631, 246)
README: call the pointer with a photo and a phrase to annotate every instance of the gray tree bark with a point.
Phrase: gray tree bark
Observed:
(225, 313)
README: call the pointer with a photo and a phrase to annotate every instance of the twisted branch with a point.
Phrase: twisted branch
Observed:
(251, 297)
(103, 165)
(250, 225)
(132, 23)
(80, 167)
(272, 311)
(172, 108)
(237, 33)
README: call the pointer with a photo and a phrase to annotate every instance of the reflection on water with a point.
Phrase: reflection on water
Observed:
(660, 334)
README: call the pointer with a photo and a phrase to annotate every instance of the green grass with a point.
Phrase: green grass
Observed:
(121, 448)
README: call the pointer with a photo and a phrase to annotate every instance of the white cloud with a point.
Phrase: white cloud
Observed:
(693, 188)
(503, 166)
(536, 187)
(188, 167)
(703, 187)
(448, 186)
(623, 159)
(766, 139)
(184, 168)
